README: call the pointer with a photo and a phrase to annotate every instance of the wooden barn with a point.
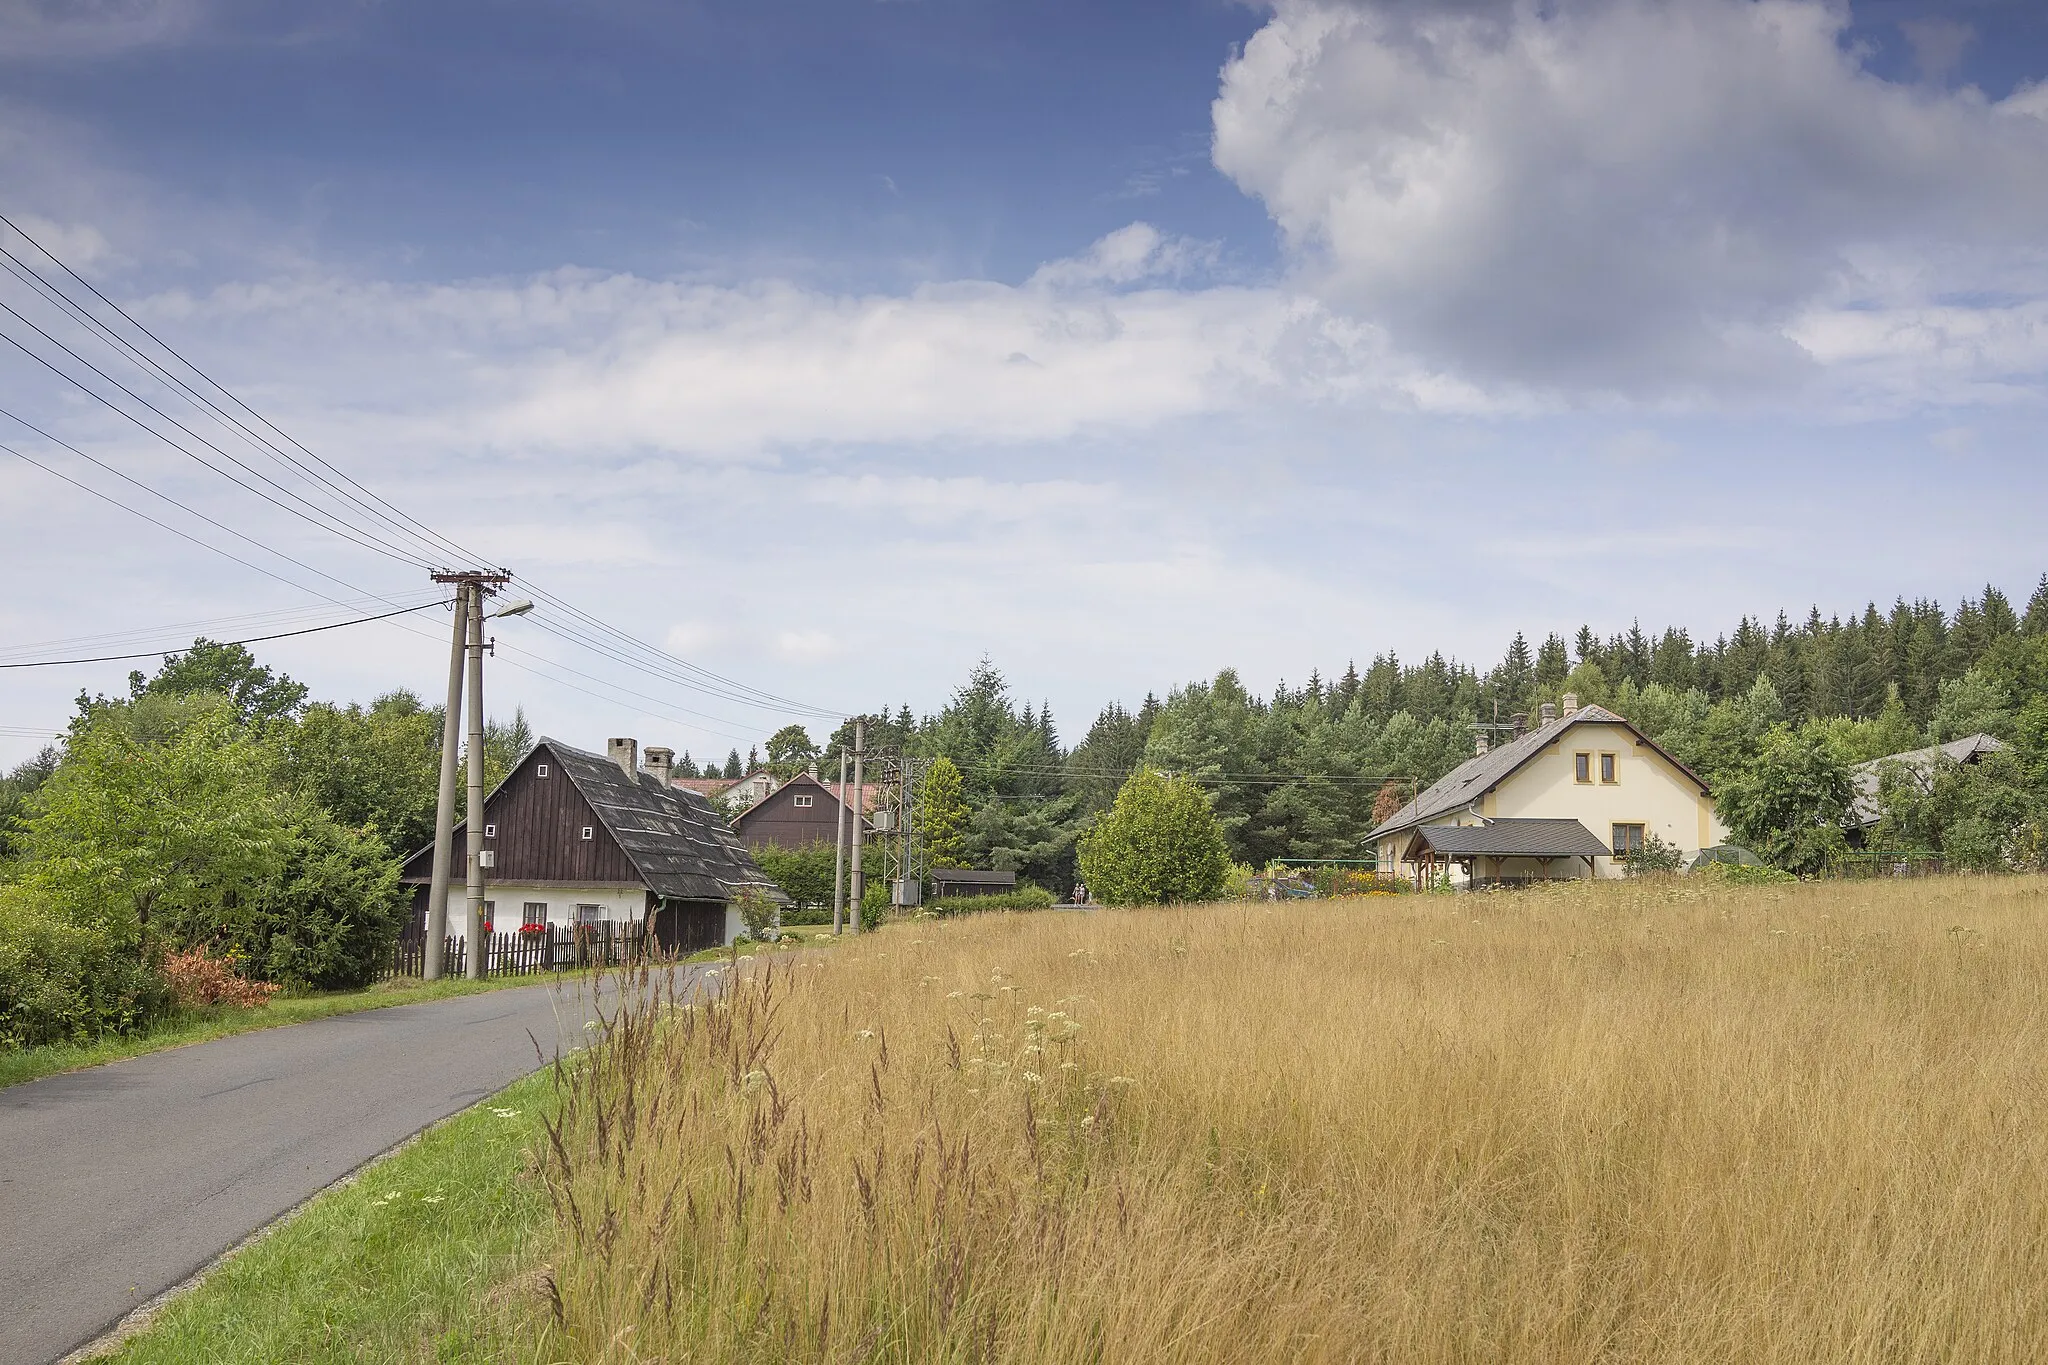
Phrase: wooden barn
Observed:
(580, 838)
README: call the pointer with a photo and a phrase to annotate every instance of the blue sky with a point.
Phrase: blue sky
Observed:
(835, 345)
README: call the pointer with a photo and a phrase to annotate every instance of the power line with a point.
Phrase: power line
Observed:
(313, 516)
(28, 275)
(295, 615)
(628, 649)
(251, 640)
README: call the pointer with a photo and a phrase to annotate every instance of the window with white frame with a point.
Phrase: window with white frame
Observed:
(802, 801)
(540, 770)
(588, 832)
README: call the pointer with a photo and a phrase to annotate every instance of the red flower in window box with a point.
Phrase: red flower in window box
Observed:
(533, 928)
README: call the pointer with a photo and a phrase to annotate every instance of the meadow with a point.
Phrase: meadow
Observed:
(1648, 1121)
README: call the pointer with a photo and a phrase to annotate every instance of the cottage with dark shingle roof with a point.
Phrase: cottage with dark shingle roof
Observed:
(580, 838)
(1570, 798)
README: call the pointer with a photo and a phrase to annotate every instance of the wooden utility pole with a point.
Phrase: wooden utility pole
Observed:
(470, 588)
(839, 852)
(444, 807)
(859, 886)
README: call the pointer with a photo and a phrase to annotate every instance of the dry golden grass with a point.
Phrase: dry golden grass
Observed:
(1638, 1122)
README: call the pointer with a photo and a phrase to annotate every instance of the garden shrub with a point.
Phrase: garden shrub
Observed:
(67, 983)
(200, 981)
(1025, 897)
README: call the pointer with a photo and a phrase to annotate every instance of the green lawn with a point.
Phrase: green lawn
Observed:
(199, 1026)
(429, 1255)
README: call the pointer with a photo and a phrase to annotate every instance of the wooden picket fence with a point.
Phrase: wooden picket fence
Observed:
(558, 948)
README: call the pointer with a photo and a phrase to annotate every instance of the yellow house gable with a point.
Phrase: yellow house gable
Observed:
(1611, 782)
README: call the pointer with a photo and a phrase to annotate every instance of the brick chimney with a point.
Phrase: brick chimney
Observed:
(1571, 702)
(1548, 711)
(1480, 748)
(1519, 723)
(625, 753)
(659, 762)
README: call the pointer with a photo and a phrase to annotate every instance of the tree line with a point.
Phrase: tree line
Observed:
(1308, 770)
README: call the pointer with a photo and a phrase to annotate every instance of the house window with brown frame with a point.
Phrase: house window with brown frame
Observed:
(1582, 767)
(1607, 769)
(1627, 839)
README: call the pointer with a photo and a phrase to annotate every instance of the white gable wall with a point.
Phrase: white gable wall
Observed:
(1647, 791)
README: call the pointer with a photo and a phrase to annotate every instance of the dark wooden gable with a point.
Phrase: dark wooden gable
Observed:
(534, 827)
(777, 821)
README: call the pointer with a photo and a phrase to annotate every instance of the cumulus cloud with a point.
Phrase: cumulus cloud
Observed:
(580, 361)
(1630, 196)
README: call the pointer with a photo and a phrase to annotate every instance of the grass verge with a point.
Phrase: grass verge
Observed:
(200, 1026)
(425, 1256)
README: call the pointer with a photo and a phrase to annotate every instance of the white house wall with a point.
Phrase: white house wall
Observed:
(1647, 791)
(616, 904)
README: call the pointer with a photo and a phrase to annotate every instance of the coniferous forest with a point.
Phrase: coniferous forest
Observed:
(1302, 772)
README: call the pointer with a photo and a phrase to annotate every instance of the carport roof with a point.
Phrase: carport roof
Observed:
(1512, 839)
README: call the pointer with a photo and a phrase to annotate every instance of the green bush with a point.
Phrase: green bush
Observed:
(329, 917)
(804, 874)
(1158, 844)
(63, 983)
(1025, 897)
(1744, 874)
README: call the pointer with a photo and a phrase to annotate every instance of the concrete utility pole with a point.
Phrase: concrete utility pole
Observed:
(839, 853)
(859, 887)
(470, 588)
(444, 808)
(473, 819)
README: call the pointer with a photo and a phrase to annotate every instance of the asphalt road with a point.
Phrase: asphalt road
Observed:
(120, 1181)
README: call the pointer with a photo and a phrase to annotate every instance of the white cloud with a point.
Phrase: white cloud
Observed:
(90, 28)
(1628, 196)
(806, 646)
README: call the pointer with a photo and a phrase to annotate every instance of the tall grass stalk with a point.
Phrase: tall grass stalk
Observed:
(1655, 1121)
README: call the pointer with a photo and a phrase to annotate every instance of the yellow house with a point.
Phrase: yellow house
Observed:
(1570, 798)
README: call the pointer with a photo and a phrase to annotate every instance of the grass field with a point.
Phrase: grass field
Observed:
(1654, 1121)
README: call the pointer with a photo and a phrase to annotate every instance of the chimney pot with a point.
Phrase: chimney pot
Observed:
(1548, 711)
(659, 762)
(625, 753)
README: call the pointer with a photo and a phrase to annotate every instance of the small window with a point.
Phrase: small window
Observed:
(490, 831)
(1627, 839)
(1607, 769)
(587, 831)
(589, 914)
(535, 917)
(540, 770)
(1582, 767)
(490, 915)
(803, 800)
